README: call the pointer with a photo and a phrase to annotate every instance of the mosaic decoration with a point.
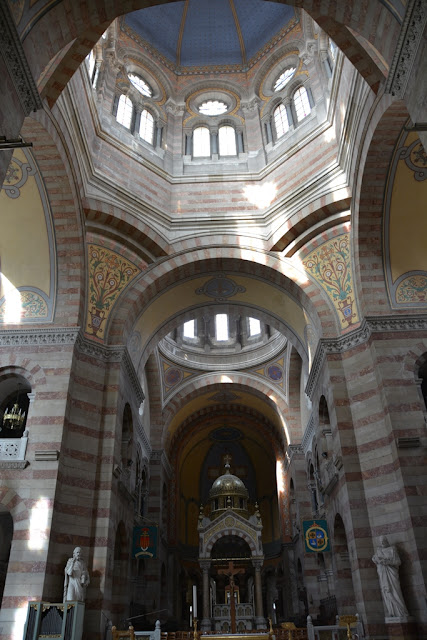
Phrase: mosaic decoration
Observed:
(415, 159)
(220, 288)
(275, 372)
(109, 273)
(412, 289)
(33, 306)
(172, 376)
(330, 265)
(16, 176)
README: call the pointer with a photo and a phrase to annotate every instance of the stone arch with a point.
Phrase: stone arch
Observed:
(54, 167)
(186, 266)
(213, 381)
(232, 532)
(385, 127)
(122, 227)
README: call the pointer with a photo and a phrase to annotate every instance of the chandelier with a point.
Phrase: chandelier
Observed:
(14, 419)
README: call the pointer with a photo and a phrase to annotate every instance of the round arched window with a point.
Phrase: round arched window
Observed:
(213, 108)
(140, 84)
(284, 78)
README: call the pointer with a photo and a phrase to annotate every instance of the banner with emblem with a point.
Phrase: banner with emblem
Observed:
(316, 536)
(145, 542)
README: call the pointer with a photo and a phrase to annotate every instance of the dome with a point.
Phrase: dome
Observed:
(202, 33)
(228, 485)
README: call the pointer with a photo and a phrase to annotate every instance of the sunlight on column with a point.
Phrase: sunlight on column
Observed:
(285, 429)
(13, 307)
(38, 524)
(279, 477)
(20, 618)
(261, 195)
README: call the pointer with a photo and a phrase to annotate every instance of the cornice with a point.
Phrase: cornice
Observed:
(16, 63)
(308, 435)
(407, 47)
(34, 337)
(370, 325)
(291, 452)
(144, 439)
(159, 455)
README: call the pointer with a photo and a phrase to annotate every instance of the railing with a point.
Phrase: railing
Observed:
(335, 631)
(12, 449)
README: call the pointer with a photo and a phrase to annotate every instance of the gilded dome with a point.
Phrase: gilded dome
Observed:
(228, 485)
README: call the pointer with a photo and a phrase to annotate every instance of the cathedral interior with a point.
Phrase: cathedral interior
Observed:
(213, 307)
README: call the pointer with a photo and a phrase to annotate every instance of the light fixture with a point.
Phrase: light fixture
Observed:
(14, 419)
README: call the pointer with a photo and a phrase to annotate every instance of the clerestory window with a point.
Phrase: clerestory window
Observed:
(201, 142)
(140, 84)
(146, 127)
(221, 327)
(281, 121)
(227, 141)
(284, 78)
(301, 103)
(125, 111)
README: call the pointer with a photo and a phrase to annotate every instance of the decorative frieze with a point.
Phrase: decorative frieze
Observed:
(35, 337)
(16, 62)
(407, 48)
(361, 335)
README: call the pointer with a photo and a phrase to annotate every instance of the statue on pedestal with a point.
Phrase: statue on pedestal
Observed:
(76, 578)
(387, 560)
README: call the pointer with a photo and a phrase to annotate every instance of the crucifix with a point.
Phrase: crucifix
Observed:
(231, 571)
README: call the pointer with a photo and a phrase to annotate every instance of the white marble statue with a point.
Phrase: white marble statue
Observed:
(76, 578)
(387, 560)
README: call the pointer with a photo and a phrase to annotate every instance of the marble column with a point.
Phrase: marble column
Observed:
(260, 622)
(206, 621)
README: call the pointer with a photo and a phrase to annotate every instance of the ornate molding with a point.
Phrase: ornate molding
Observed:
(132, 375)
(407, 48)
(397, 323)
(291, 451)
(13, 464)
(144, 439)
(370, 325)
(159, 455)
(308, 435)
(99, 351)
(34, 337)
(16, 63)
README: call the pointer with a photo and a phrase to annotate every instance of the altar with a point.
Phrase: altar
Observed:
(231, 557)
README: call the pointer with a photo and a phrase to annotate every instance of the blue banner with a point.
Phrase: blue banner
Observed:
(145, 542)
(316, 536)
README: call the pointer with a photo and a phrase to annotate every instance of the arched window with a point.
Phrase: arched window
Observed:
(146, 127)
(302, 103)
(90, 61)
(227, 141)
(284, 78)
(201, 142)
(281, 121)
(125, 111)
(333, 50)
(140, 84)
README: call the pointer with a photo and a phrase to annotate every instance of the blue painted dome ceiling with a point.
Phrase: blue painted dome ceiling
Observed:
(228, 35)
